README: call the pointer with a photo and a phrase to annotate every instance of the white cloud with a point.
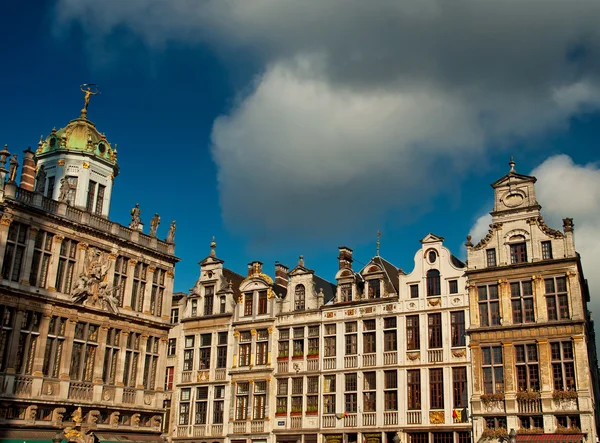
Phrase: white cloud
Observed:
(365, 107)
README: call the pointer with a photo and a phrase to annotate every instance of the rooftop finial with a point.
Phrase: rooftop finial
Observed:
(378, 243)
(88, 89)
(511, 163)
(213, 245)
(301, 261)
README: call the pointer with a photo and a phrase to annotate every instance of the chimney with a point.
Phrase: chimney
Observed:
(254, 267)
(281, 275)
(28, 170)
(345, 257)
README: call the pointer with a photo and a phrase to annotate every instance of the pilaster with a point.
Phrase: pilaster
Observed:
(142, 362)
(129, 284)
(509, 367)
(505, 302)
(575, 297)
(545, 365)
(65, 362)
(539, 297)
(53, 268)
(121, 361)
(38, 360)
(161, 369)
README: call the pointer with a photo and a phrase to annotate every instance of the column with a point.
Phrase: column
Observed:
(65, 361)
(129, 284)
(14, 342)
(142, 362)
(148, 292)
(236, 336)
(509, 367)
(582, 367)
(100, 351)
(38, 360)
(505, 307)
(28, 257)
(476, 365)
(53, 268)
(121, 362)
(473, 304)
(545, 365)
(541, 310)
(161, 369)
(252, 347)
(575, 296)
(168, 295)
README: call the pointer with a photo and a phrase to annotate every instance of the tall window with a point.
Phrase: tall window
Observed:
(329, 388)
(262, 346)
(260, 400)
(30, 331)
(350, 387)
(491, 257)
(174, 316)
(194, 308)
(390, 335)
(413, 339)
(526, 359)
(489, 305)
(248, 301)
(557, 299)
(169, 378)
(263, 298)
(390, 393)
(184, 406)
(369, 391)
(50, 190)
(563, 367)
(374, 288)
(100, 199)
(54, 347)
(132, 358)
(72, 191)
(297, 393)
(457, 328)
(435, 330)
(518, 253)
(546, 250)
(299, 296)
(413, 377)
(14, 252)
(83, 355)
(298, 342)
(436, 388)
(209, 296)
(369, 338)
(204, 351)
(222, 350)
(120, 278)
(7, 318)
(172, 347)
(90, 196)
(346, 292)
(188, 353)
(201, 405)
(493, 369)
(151, 363)
(244, 348)
(218, 404)
(414, 291)
(157, 293)
(111, 356)
(330, 340)
(351, 341)
(66, 266)
(138, 290)
(313, 341)
(222, 304)
(42, 253)
(433, 282)
(312, 395)
(521, 294)
(282, 396)
(459, 387)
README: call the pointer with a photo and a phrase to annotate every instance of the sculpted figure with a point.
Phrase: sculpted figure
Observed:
(154, 225)
(64, 190)
(14, 165)
(40, 180)
(135, 217)
(171, 234)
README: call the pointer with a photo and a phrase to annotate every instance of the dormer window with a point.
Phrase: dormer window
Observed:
(433, 283)
(299, 298)
(491, 257)
(248, 304)
(262, 302)
(346, 292)
(208, 300)
(546, 250)
(374, 290)
(52, 142)
(223, 305)
(194, 308)
(518, 252)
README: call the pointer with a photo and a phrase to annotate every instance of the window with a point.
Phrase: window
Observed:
(151, 363)
(489, 305)
(297, 394)
(7, 318)
(459, 387)
(241, 401)
(413, 339)
(172, 347)
(30, 331)
(351, 341)
(491, 257)
(175, 316)
(414, 388)
(184, 406)
(72, 190)
(374, 288)
(283, 349)
(54, 346)
(433, 282)
(369, 391)
(518, 253)
(83, 355)
(244, 348)
(346, 292)
(414, 291)
(457, 328)
(222, 350)
(418, 437)
(526, 359)
(298, 342)
(188, 353)
(111, 356)
(194, 310)
(436, 388)
(546, 250)
(66, 266)
(531, 422)
(312, 397)
(42, 254)
(262, 302)
(369, 337)
(201, 405)
(521, 295)
(169, 378)
(218, 404)
(432, 256)
(495, 422)
(50, 190)
(100, 199)
(14, 252)
(299, 295)
(563, 367)
(329, 383)
(90, 196)
(350, 396)
(120, 278)
(330, 341)
(282, 396)
(557, 299)
(138, 289)
(262, 345)
(260, 398)
(204, 351)
(390, 393)
(248, 300)
(390, 336)
(568, 421)
(132, 356)
(493, 369)
(329, 404)
(435, 330)
(453, 286)
(157, 293)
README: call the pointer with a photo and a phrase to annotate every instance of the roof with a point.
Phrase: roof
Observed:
(390, 271)
(236, 280)
(554, 438)
(328, 288)
(456, 262)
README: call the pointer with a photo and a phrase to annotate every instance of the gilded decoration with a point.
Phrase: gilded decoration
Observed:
(151, 269)
(61, 162)
(59, 239)
(85, 165)
(6, 219)
(132, 262)
(253, 331)
(436, 417)
(412, 356)
(329, 314)
(350, 312)
(433, 301)
(83, 246)
(113, 255)
(170, 273)
(459, 353)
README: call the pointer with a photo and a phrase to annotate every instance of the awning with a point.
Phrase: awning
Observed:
(553, 438)
(26, 435)
(122, 437)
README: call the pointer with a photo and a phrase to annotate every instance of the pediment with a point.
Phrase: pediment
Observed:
(300, 270)
(432, 238)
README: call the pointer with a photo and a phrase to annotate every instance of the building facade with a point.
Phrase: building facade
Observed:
(85, 302)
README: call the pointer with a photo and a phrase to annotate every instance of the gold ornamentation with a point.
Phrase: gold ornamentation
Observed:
(170, 273)
(72, 433)
(436, 417)
(83, 246)
(59, 239)
(85, 165)
(329, 314)
(113, 255)
(459, 353)
(236, 334)
(412, 356)
(270, 331)
(133, 262)
(240, 299)
(253, 331)
(112, 176)
(151, 269)
(250, 382)
(164, 339)
(61, 162)
(433, 301)
(502, 282)
(571, 274)
(536, 277)
(350, 312)
(6, 219)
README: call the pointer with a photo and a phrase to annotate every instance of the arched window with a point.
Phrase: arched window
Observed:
(299, 297)
(433, 282)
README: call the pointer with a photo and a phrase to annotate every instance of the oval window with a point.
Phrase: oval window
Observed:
(52, 142)
(101, 148)
(432, 256)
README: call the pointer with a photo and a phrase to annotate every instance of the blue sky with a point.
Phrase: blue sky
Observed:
(284, 132)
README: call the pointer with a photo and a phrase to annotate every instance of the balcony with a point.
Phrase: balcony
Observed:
(240, 427)
(199, 431)
(181, 431)
(296, 422)
(216, 430)
(312, 364)
(435, 355)
(329, 421)
(283, 366)
(257, 426)
(23, 386)
(129, 395)
(81, 391)
(413, 417)
(350, 420)
(369, 359)
(390, 358)
(187, 376)
(390, 418)
(351, 361)
(220, 374)
(369, 419)
(329, 363)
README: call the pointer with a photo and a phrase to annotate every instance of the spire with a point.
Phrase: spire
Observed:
(378, 243)
(213, 245)
(512, 163)
(301, 261)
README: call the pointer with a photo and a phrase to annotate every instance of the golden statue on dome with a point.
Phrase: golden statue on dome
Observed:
(88, 89)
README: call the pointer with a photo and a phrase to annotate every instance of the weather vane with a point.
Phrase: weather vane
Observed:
(88, 89)
(378, 242)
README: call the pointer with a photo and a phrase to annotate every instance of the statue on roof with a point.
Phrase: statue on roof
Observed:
(135, 217)
(64, 190)
(14, 165)
(40, 180)
(171, 234)
(88, 91)
(154, 225)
